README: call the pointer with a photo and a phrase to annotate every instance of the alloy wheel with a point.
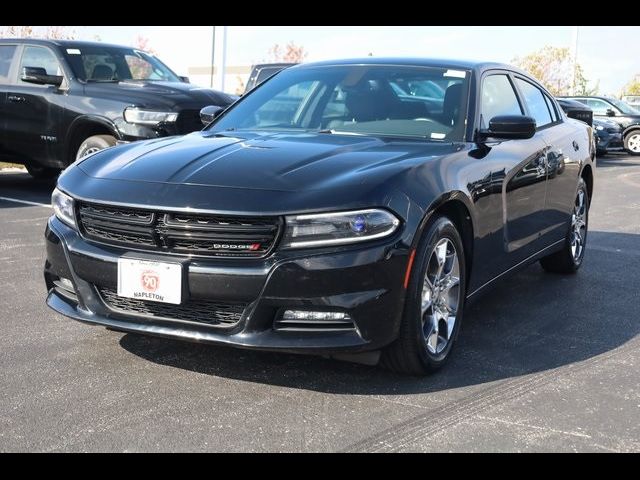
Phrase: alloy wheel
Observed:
(633, 142)
(90, 150)
(440, 296)
(578, 226)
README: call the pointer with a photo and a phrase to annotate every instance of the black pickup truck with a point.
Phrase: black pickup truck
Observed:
(62, 100)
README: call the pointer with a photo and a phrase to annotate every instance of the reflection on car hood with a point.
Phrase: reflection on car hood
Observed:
(276, 161)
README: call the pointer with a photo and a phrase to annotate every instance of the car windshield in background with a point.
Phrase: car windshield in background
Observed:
(624, 107)
(357, 99)
(110, 64)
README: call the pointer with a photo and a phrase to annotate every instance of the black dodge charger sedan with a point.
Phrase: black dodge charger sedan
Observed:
(345, 208)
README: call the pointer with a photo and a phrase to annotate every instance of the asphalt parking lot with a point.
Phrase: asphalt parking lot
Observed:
(543, 363)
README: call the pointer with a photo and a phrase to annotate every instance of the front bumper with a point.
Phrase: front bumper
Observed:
(365, 282)
(609, 142)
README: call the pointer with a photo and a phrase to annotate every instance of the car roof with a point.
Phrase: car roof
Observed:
(599, 97)
(478, 66)
(61, 43)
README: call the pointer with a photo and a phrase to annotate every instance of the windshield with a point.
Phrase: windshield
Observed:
(357, 99)
(106, 64)
(623, 107)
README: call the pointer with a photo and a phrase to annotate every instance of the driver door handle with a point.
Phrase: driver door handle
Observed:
(16, 98)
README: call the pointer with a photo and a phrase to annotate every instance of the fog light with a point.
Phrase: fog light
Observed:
(310, 315)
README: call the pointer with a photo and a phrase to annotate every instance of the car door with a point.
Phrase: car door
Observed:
(7, 54)
(518, 173)
(33, 112)
(562, 154)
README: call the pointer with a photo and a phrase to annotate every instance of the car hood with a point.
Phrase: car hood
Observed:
(159, 94)
(278, 162)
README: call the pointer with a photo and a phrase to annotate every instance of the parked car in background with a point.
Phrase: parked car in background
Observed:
(328, 212)
(263, 71)
(632, 100)
(621, 113)
(607, 133)
(61, 100)
(577, 110)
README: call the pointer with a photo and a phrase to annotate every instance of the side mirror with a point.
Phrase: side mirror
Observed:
(184, 79)
(509, 127)
(611, 112)
(209, 113)
(38, 75)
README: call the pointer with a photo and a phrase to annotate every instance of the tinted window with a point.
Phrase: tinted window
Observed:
(6, 56)
(534, 98)
(358, 99)
(498, 98)
(40, 57)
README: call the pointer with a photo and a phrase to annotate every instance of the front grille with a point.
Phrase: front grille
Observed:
(200, 311)
(189, 121)
(192, 234)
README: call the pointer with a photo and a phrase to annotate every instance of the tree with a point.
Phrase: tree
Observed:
(141, 68)
(554, 68)
(291, 53)
(632, 87)
(55, 33)
(142, 43)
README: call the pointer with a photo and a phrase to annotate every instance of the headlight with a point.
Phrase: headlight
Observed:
(148, 117)
(599, 127)
(63, 207)
(338, 228)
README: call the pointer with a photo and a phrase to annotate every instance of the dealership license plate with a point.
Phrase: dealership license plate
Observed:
(150, 281)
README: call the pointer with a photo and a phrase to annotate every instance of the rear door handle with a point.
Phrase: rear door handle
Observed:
(576, 147)
(16, 98)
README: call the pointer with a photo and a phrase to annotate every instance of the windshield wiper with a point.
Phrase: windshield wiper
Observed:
(341, 132)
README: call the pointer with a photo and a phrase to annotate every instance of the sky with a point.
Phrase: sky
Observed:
(601, 50)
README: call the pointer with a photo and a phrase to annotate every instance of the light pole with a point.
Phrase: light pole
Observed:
(213, 54)
(575, 59)
(224, 56)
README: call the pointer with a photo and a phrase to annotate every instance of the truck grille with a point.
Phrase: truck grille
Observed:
(191, 234)
(199, 311)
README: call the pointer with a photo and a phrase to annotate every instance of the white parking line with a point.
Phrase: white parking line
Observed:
(26, 202)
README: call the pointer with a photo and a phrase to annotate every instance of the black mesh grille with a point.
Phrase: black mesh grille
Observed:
(200, 311)
(210, 235)
(189, 121)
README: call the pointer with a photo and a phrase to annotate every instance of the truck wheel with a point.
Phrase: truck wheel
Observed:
(42, 173)
(95, 144)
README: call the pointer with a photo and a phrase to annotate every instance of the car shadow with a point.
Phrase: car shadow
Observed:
(22, 186)
(617, 159)
(533, 322)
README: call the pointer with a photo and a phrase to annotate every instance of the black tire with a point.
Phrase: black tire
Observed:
(409, 353)
(565, 260)
(632, 142)
(42, 173)
(94, 144)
